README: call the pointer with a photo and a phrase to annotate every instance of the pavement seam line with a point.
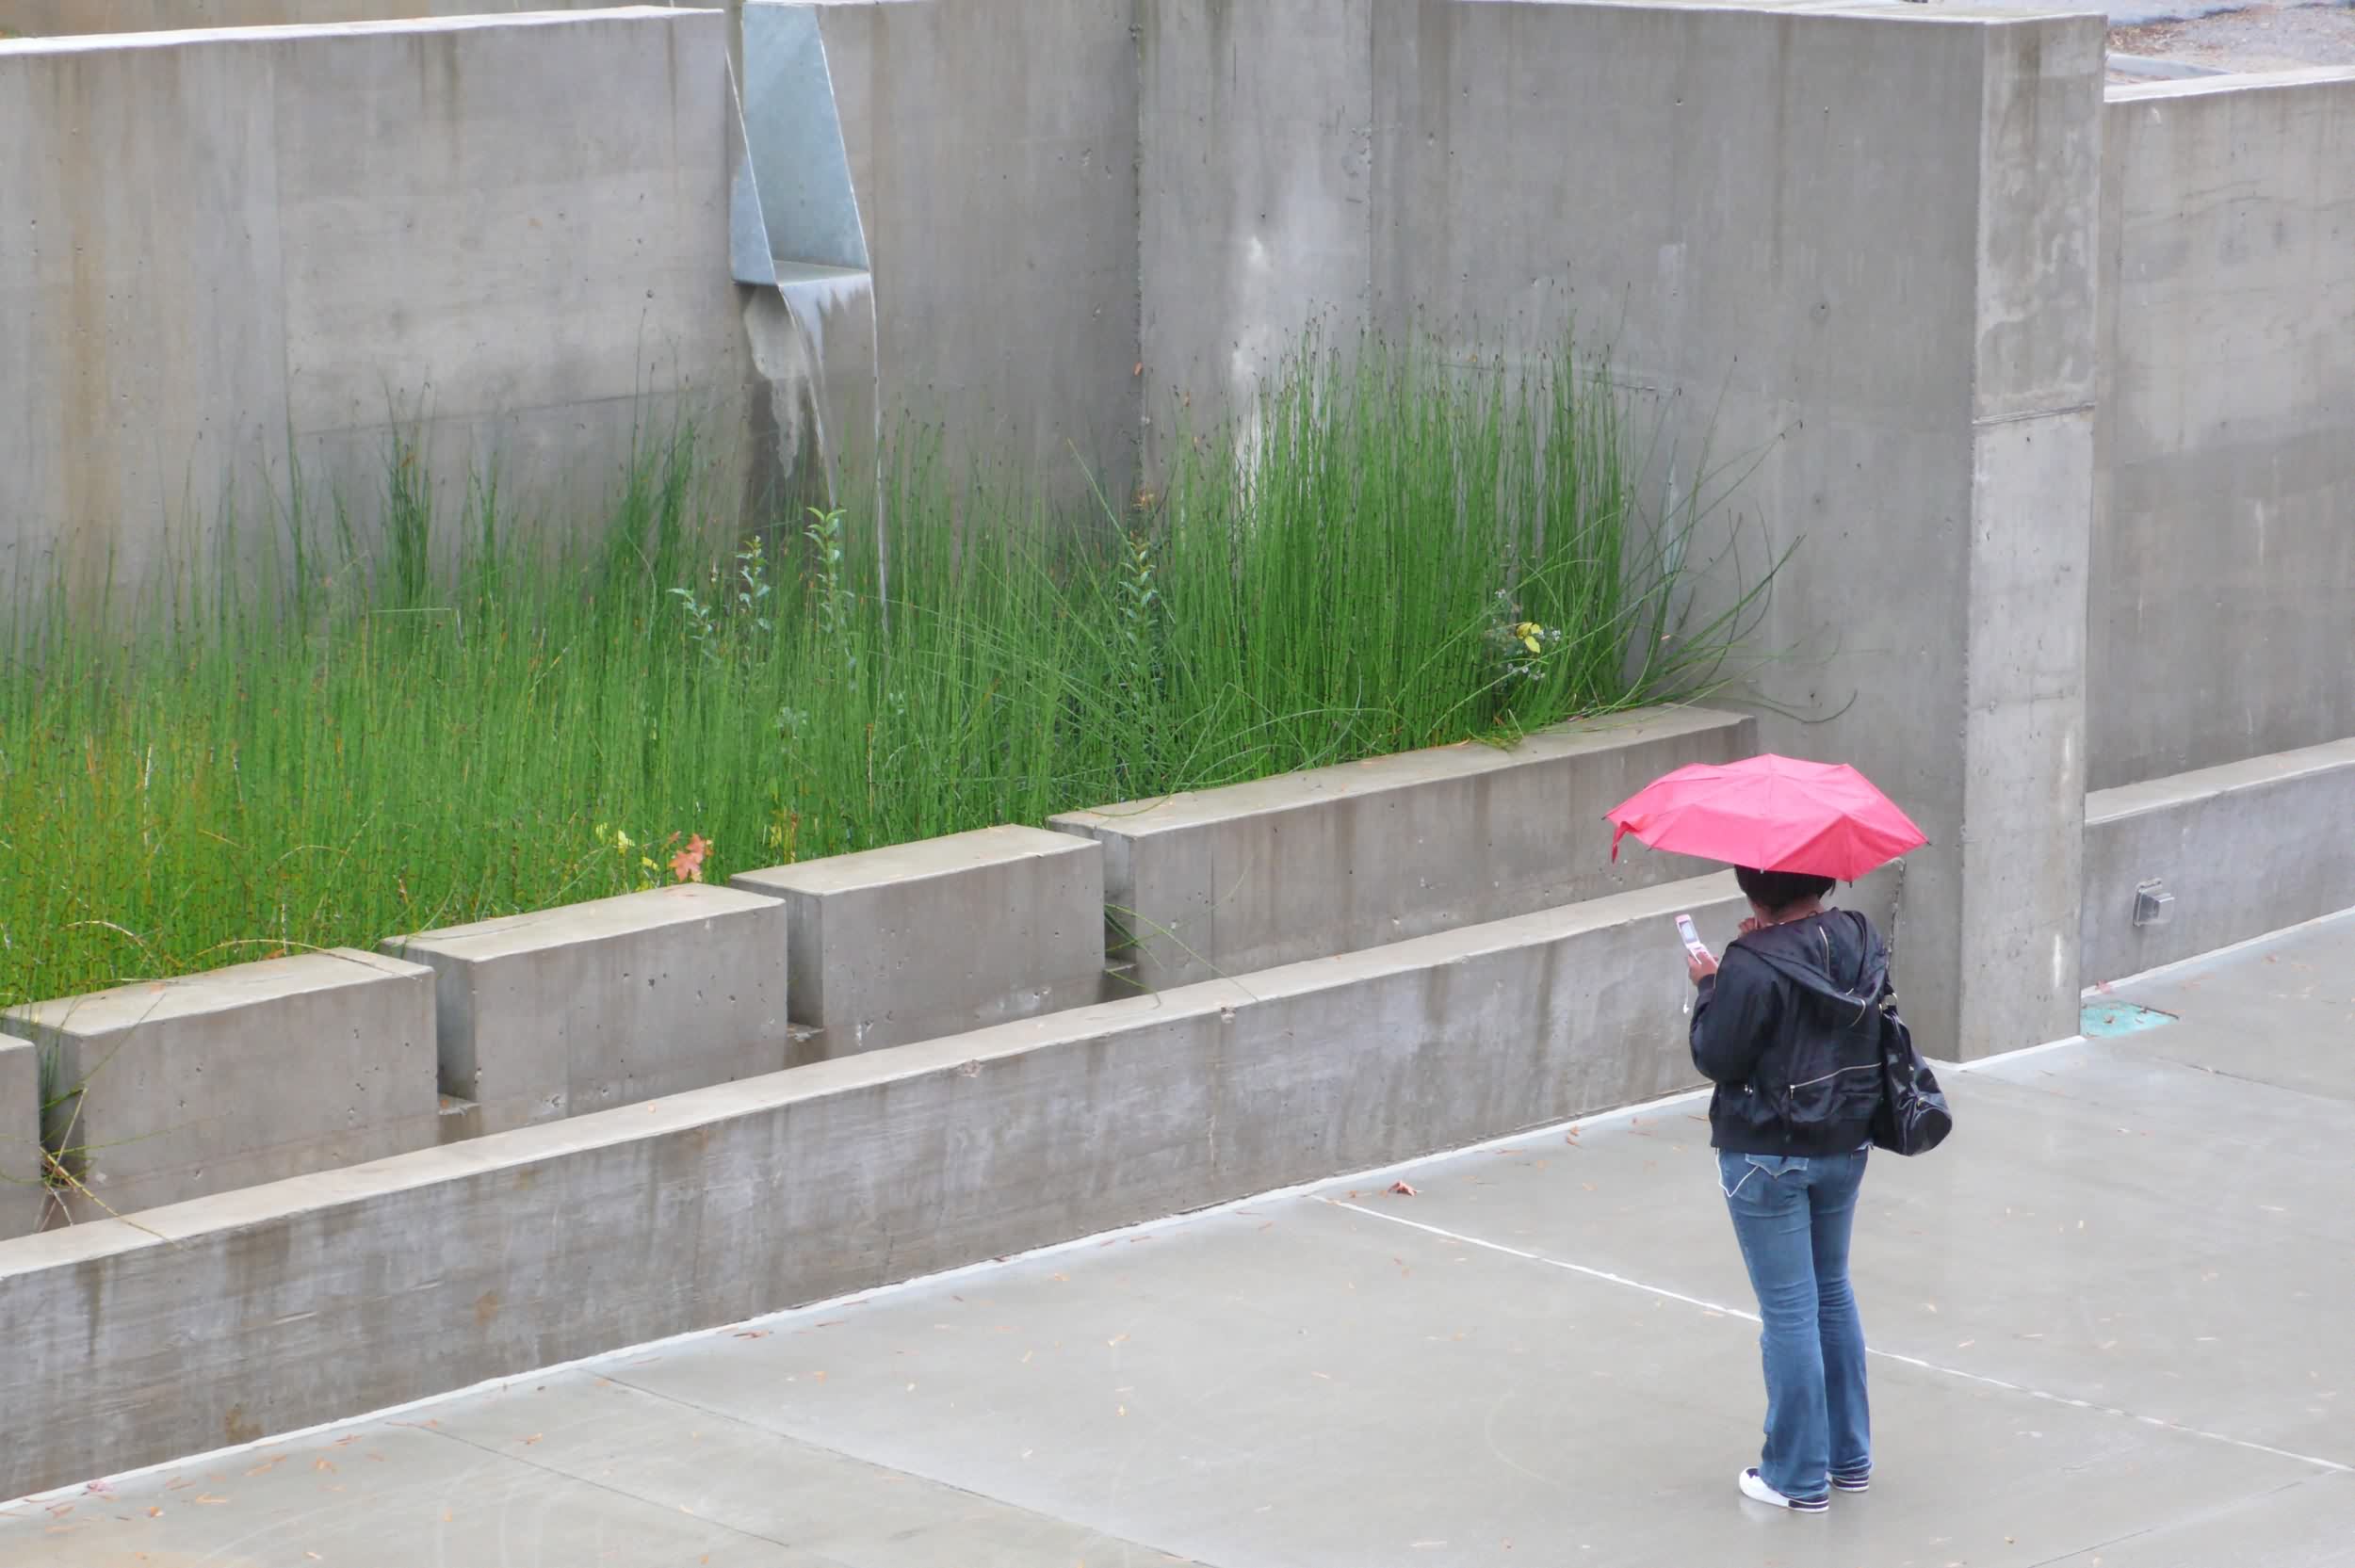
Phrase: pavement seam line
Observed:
(610, 1490)
(2325, 1464)
(1126, 1543)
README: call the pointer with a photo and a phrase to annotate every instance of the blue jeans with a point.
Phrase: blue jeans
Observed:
(1792, 1218)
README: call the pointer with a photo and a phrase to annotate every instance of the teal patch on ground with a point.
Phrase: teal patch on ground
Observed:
(2108, 1017)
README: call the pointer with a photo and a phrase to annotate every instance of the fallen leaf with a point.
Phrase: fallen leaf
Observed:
(1400, 1189)
(323, 1464)
(208, 1499)
(533, 1438)
(1116, 1339)
(688, 864)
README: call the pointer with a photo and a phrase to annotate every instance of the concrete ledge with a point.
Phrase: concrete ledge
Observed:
(603, 1004)
(271, 1308)
(23, 1199)
(1224, 881)
(2246, 849)
(245, 1075)
(939, 936)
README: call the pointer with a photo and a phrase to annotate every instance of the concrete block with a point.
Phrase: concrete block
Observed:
(940, 936)
(549, 1014)
(2246, 849)
(277, 1307)
(221, 1080)
(23, 1195)
(2223, 555)
(1224, 881)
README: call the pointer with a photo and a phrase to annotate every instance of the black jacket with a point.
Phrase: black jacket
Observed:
(1788, 1032)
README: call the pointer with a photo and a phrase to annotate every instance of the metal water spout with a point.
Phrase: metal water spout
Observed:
(796, 239)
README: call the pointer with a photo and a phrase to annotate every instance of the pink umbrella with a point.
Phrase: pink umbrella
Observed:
(1776, 813)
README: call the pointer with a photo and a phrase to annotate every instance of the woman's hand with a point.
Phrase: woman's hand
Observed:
(1700, 965)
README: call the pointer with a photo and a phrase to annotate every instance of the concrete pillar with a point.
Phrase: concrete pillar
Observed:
(2006, 914)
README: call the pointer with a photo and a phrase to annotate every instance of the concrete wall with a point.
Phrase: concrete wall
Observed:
(24, 1194)
(221, 243)
(1224, 881)
(2246, 849)
(993, 151)
(369, 1287)
(2223, 603)
(245, 1075)
(53, 17)
(1258, 124)
(1852, 253)
(563, 1011)
(938, 937)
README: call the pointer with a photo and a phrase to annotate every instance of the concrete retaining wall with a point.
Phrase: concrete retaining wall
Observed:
(24, 1197)
(938, 937)
(364, 1287)
(241, 1075)
(566, 1010)
(1849, 252)
(1223, 881)
(2246, 849)
(993, 151)
(2224, 545)
(53, 17)
(226, 250)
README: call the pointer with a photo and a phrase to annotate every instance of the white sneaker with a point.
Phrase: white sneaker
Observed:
(1757, 1491)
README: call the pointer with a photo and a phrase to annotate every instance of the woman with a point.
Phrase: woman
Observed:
(1785, 1027)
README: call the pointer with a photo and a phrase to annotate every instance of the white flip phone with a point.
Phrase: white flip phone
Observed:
(1691, 937)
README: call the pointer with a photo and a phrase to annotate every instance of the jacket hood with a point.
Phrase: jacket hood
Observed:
(1836, 954)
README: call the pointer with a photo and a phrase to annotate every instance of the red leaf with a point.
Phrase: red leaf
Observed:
(1400, 1189)
(688, 864)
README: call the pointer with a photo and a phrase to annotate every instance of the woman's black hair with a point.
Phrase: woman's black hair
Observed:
(1773, 890)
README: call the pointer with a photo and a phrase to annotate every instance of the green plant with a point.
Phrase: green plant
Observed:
(376, 744)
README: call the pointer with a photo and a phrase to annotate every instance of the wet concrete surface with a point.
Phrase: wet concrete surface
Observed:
(2108, 1323)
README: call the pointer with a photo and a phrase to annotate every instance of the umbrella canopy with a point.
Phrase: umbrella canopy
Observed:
(1775, 814)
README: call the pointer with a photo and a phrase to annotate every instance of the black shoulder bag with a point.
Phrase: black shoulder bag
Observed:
(1914, 1117)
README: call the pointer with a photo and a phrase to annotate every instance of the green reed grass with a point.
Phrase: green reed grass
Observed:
(483, 716)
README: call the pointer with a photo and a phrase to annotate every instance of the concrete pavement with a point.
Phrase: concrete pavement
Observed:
(2109, 1322)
